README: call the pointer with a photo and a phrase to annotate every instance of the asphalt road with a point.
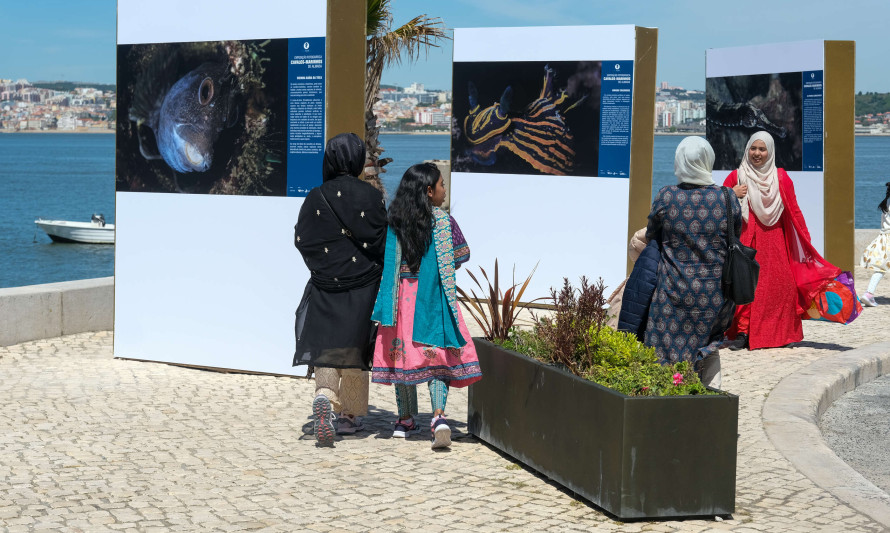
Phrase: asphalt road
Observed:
(857, 428)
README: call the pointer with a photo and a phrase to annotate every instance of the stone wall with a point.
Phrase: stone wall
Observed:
(56, 309)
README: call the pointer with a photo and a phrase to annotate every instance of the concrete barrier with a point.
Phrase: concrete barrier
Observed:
(791, 416)
(56, 309)
(863, 239)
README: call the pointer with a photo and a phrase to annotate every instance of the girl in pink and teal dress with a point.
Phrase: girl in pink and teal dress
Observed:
(422, 336)
(877, 254)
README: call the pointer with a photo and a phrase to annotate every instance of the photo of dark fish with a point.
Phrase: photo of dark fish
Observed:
(191, 116)
(738, 106)
(539, 137)
(201, 118)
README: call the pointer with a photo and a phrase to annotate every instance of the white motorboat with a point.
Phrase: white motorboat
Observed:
(94, 232)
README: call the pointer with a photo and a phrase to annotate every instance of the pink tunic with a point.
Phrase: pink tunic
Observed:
(399, 360)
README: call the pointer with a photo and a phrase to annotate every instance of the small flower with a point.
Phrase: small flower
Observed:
(678, 379)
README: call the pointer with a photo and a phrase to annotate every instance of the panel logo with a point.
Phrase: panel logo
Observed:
(306, 45)
(617, 66)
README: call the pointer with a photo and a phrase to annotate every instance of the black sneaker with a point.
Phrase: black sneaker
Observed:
(404, 428)
(740, 343)
(349, 425)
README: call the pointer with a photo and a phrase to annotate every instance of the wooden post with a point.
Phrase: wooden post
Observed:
(346, 52)
(642, 131)
(840, 158)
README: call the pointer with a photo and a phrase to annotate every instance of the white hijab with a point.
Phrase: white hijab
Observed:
(763, 183)
(694, 161)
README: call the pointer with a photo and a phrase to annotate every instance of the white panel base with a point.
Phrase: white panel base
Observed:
(207, 280)
(573, 225)
(810, 190)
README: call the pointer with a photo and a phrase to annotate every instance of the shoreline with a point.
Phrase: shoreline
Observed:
(89, 131)
(658, 133)
(415, 133)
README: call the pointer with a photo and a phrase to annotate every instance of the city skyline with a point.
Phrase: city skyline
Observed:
(53, 40)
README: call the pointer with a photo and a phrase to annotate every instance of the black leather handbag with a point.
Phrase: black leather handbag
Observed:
(740, 271)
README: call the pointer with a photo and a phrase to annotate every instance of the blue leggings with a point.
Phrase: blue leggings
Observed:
(406, 397)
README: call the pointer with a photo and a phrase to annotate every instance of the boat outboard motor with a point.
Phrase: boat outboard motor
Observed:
(98, 220)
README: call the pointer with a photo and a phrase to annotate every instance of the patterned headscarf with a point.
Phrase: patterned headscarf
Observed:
(694, 162)
(763, 183)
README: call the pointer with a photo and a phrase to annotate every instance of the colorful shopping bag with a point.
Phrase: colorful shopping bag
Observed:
(837, 302)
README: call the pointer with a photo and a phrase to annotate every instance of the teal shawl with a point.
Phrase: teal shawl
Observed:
(435, 309)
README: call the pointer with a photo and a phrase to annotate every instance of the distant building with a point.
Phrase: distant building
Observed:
(432, 117)
(67, 122)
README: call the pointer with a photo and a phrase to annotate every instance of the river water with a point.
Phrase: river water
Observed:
(71, 176)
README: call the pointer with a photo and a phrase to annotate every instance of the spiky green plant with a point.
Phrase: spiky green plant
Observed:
(498, 314)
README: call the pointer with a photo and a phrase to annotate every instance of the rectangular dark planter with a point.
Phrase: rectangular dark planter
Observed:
(636, 457)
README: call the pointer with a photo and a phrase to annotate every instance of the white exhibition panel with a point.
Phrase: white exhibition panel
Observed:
(173, 21)
(545, 43)
(207, 280)
(765, 59)
(571, 226)
(210, 280)
(809, 187)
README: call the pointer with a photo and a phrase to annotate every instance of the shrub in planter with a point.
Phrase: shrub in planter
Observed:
(654, 444)
(577, 338)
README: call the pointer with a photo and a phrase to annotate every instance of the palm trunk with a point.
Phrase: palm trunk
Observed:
(373, 168)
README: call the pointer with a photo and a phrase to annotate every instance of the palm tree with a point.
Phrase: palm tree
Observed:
(386, 47)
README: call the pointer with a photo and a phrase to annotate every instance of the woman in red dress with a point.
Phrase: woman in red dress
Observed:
(791, 271)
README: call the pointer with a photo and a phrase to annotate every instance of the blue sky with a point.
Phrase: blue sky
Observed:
(75, 40)
(686, 28)
(47, 40)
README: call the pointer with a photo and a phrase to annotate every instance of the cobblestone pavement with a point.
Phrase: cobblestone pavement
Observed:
(90, 443)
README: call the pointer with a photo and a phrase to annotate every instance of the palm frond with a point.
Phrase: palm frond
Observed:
(379, 17)
(409, 40)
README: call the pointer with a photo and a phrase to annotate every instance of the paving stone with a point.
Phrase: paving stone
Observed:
(93, 443)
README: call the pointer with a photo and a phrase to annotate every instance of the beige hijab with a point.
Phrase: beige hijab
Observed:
(763, 183)
(694, 161)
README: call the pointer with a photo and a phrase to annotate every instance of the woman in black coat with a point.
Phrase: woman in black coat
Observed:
(341, 234)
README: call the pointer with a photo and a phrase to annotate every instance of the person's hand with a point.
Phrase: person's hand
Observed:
(740, 190)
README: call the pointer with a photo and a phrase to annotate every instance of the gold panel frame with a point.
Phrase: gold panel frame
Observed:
(345, 56)
(642, 139)
(839, 171)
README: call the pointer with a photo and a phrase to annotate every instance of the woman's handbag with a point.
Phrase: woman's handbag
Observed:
(740, 271)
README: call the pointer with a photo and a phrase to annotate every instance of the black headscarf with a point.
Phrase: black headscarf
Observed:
(344, 155)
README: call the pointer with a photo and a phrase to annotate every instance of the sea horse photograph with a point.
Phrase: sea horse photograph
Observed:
(527, 117)
(739, 106)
